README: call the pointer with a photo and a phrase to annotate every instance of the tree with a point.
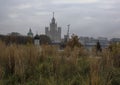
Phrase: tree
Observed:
(98, 47)
(74, 42)
(44, 39)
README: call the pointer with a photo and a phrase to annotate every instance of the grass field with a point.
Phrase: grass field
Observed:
(45, 65)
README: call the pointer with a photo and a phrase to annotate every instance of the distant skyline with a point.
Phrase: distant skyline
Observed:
(94, 18)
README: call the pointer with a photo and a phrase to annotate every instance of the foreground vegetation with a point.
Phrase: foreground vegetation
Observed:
(45, 65)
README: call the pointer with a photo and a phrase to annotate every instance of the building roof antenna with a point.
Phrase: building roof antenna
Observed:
(68, 31)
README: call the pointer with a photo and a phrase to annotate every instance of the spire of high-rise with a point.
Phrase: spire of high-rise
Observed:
(53, 14)
(53, 19)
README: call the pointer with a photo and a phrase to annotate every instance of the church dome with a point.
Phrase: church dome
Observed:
(30, 33)
(36, 36)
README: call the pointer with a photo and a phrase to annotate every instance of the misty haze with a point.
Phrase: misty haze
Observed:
(59, 42)
(94, 18)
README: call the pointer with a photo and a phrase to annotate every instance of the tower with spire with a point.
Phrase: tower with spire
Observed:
(30, 33)
(53, 31)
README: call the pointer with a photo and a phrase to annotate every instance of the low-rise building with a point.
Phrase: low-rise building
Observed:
(90, 42)
(115, 40)
(36, 40)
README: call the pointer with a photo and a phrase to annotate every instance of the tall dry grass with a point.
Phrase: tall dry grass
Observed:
(46, 65)
(18, 60)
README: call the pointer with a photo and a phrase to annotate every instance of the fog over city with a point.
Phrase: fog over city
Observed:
(94, 18)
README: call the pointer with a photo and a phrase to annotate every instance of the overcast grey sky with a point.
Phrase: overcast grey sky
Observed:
(87, 17)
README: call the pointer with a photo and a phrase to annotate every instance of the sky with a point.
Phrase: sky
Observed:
(93, 18)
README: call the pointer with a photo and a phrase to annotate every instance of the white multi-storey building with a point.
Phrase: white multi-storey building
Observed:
(53, 31)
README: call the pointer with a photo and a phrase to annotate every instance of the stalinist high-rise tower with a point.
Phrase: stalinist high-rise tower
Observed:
(53, 31)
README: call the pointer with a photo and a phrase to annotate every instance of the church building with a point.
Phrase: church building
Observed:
(53, 31)
(30, 33)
